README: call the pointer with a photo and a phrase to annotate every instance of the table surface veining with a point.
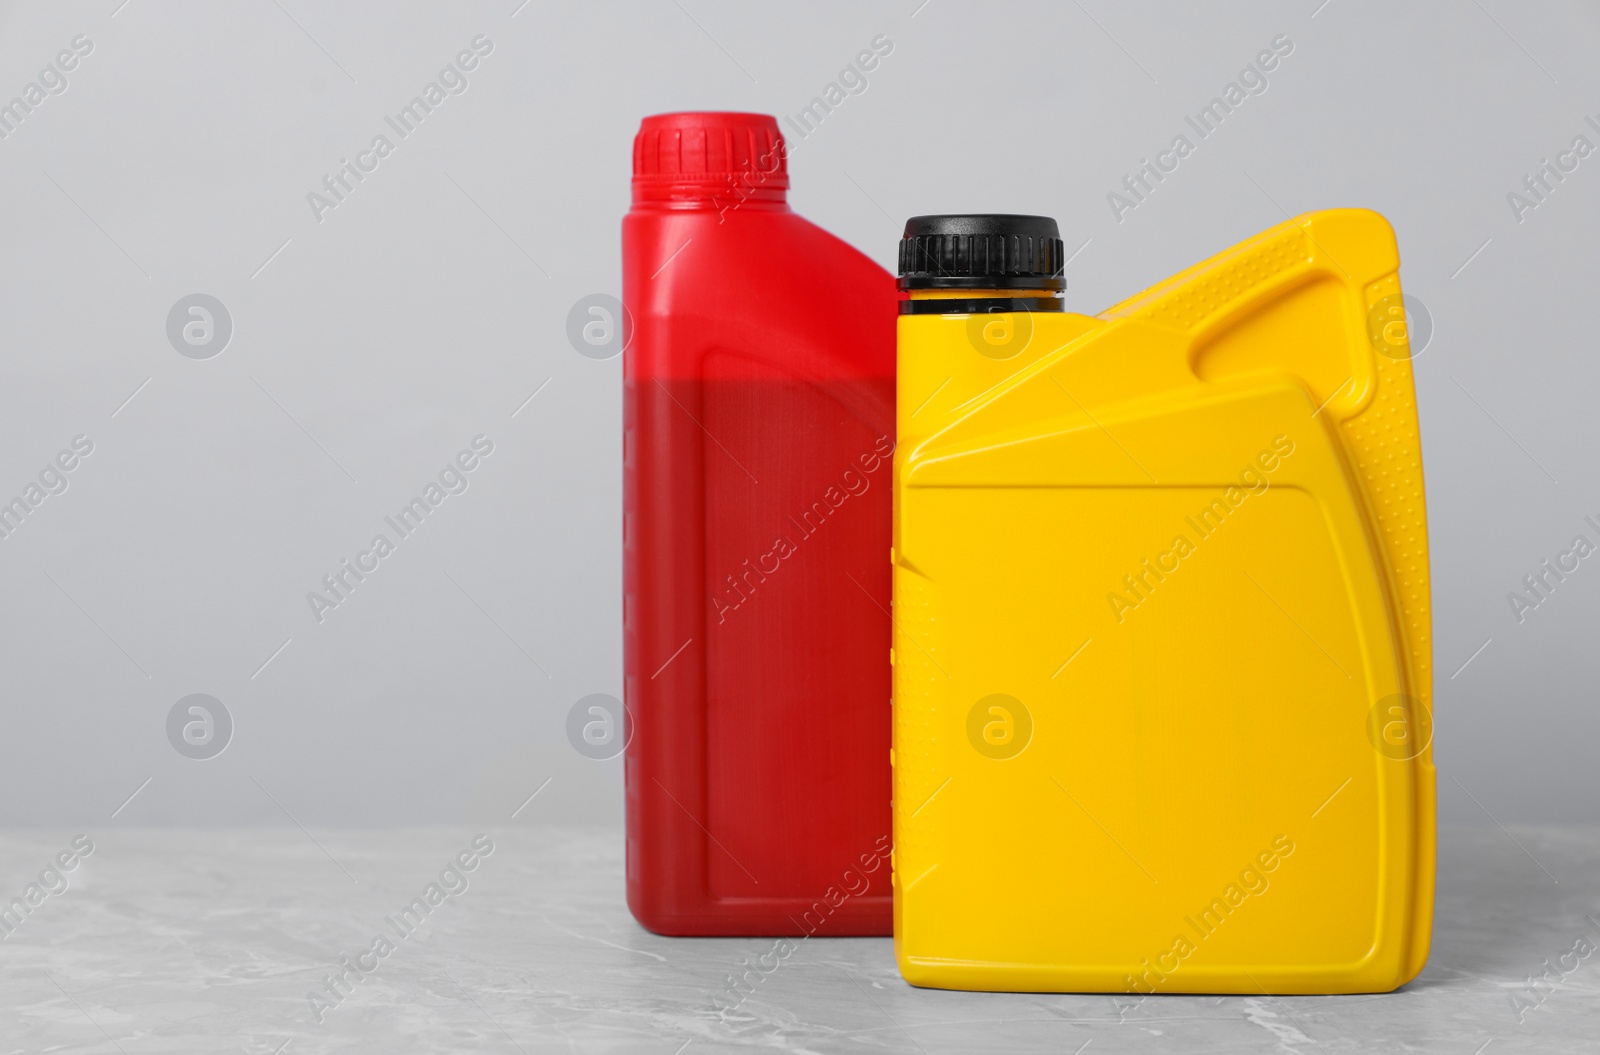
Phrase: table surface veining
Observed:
(218, 940)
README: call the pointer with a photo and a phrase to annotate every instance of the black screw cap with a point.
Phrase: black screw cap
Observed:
(981, 251)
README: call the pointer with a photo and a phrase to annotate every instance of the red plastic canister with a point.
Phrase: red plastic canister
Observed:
(758, 434)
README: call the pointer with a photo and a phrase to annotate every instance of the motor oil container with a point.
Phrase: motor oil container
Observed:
(1162, 668)
(758, 443)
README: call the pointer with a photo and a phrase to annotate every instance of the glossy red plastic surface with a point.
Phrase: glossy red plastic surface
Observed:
(759, 424)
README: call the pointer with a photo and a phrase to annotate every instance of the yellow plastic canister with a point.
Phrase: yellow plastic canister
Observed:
(1162, 682)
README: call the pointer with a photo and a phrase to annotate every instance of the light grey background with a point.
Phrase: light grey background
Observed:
(370, 347)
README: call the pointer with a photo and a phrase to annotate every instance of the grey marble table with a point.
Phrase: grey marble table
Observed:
(191, 941)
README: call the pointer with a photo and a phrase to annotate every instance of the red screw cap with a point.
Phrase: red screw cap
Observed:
(697, 154)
